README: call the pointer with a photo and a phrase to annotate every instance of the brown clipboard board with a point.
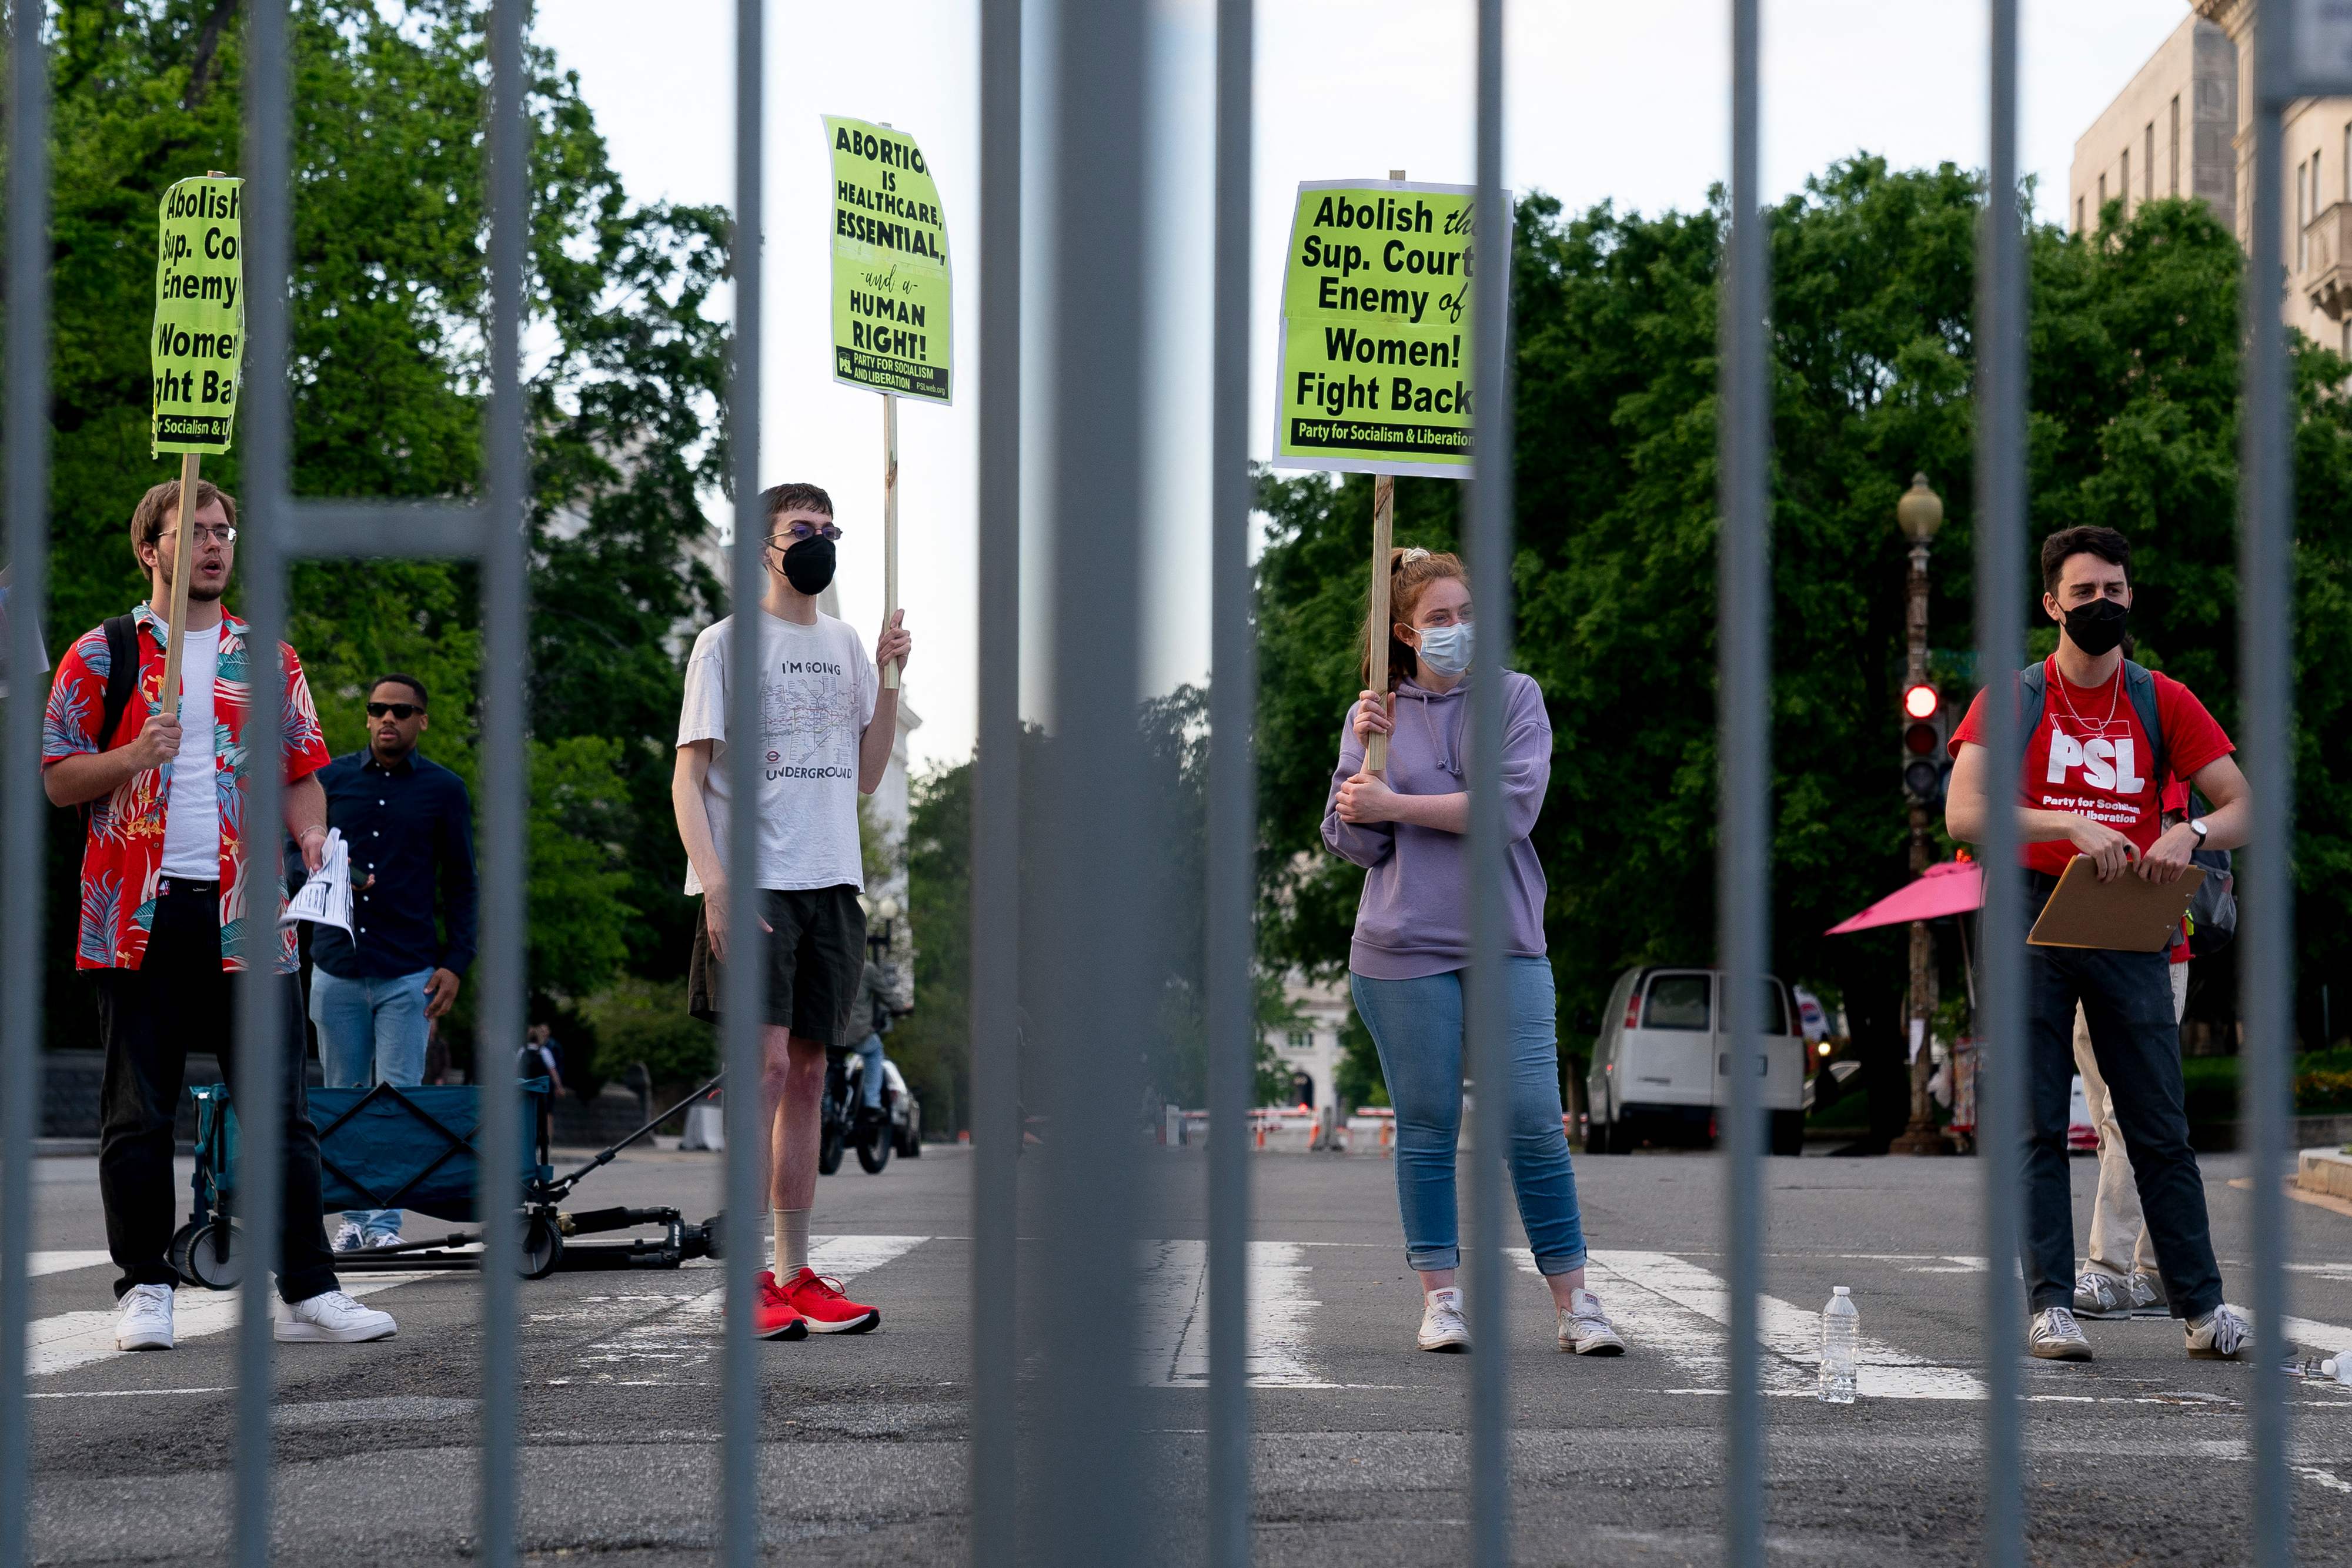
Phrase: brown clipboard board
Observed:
(2129, 914)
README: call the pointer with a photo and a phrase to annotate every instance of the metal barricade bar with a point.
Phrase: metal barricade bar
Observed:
(21, 847)
(1231, 808)
(996, 806)
(349, 530)
(2266, 663)
(1091, 950)
(1485, 1026)
(1744, 782)
(743, 980)
(2001, 585)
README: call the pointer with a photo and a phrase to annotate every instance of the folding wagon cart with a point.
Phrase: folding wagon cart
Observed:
(415, 1149)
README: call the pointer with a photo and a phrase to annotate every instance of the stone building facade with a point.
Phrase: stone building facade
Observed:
(2184, 126)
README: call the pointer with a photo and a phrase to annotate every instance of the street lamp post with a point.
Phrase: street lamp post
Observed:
(1920, 512)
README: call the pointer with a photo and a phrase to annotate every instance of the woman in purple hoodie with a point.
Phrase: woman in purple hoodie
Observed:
(1412, 945)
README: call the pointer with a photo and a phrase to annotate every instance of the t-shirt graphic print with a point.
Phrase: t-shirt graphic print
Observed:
(2090, 756)
(817, 691)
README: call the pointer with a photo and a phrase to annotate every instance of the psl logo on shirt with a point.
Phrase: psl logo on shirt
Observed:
(2109, 765)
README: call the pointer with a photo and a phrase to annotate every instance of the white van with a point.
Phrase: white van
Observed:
(1661, 1065)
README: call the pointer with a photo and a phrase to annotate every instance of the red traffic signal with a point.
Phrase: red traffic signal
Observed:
(1921, 701)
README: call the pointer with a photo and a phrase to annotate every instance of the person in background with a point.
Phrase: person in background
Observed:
(2108, 735)
(873, 1010)
(408, 824)
(541, 1058)
(1411, 945)
(827, 729)
(2119, 1277)
(167, 884)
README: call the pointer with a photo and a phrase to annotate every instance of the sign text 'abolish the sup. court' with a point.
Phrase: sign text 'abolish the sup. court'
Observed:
(198, 344)
(891, 326)
(1376, 328)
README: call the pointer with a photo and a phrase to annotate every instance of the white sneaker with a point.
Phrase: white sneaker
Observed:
(2056, 1336)
(331, 1318)
(1443, 1327)
(2099, 1294)
(380, 1239)
(146, 1321)
(2222, 1334)
(351, 1237)
(1585, 1329)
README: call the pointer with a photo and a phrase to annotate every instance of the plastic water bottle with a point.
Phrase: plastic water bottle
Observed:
(1841, 1335)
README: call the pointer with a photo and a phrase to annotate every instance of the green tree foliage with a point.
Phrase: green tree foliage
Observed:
(2135, 371)
(389, 311)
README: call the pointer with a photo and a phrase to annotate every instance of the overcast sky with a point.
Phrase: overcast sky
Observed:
(1620, 102)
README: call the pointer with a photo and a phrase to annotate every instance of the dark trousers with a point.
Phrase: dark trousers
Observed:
(150, 1017)
(2127, 1000)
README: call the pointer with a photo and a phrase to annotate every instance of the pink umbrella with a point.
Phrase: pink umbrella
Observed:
(1951, 887)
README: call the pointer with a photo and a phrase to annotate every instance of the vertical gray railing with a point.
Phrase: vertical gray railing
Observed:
(743, 977)
(1086, 1450)
(1088, 936)
(260, 1044)
(280, 531)
(996, 806)
(21, 850)
(1487, 1025)
(1232, 805)
(1744, 779)
(2000, 627)
(2265, 666)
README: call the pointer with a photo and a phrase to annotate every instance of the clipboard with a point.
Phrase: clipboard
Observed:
(2130, 914)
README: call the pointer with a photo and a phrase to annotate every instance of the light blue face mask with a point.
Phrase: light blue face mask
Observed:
(1446, 649)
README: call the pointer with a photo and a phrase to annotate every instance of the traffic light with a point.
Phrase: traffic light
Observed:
(1926, 725)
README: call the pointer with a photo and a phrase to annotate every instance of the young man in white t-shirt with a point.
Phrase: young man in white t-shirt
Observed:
(826, 732)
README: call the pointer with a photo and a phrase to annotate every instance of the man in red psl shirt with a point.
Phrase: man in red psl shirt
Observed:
(2108, 735)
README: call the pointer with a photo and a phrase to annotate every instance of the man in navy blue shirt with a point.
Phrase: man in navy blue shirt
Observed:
(409, 826)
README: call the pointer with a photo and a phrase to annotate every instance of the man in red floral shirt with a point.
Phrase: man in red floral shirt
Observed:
(169, 909)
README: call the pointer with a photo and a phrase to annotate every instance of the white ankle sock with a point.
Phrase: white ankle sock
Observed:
(791, 1241)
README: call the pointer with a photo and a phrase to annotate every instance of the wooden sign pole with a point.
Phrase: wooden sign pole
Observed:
(1376, 747)
(889, 526)
(184, 560)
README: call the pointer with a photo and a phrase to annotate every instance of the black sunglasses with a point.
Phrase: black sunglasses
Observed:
(401, 711)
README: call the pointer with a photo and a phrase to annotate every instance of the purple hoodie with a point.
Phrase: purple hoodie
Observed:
(1414, 919)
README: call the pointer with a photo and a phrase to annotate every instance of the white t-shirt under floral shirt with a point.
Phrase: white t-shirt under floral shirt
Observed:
(818, 689)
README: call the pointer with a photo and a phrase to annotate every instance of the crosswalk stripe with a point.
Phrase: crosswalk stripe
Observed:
(1663, 1294)
(1174, 1292)
(40, 1263)
(686, 1335)
(69, 1340)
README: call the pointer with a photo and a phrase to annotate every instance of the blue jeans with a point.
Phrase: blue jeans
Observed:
(370, 1031)
(869, 1072)
(1416, 1025)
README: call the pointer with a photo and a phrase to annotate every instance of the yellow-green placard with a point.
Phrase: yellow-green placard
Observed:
(198, 346)
(1376, 326)
(892, 326)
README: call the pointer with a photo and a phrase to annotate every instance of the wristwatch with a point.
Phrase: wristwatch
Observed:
(2196, 826)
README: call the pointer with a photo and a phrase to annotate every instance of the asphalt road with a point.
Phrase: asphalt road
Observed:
(2140, 1457)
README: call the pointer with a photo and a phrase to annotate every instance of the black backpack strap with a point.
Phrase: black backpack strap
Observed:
(2141, 685)
(121, 673)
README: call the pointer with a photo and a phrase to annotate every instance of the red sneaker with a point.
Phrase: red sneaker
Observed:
(820, 1301)
(774, 1316)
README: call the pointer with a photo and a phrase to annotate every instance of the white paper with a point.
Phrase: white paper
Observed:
(326, 898)
(1919, 1025)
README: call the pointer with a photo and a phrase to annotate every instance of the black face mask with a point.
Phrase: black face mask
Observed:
(808, 565)
(2098, 626)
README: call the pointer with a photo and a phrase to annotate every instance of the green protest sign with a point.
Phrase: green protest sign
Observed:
(198, 345)
(1376, 326)
(892, 314)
